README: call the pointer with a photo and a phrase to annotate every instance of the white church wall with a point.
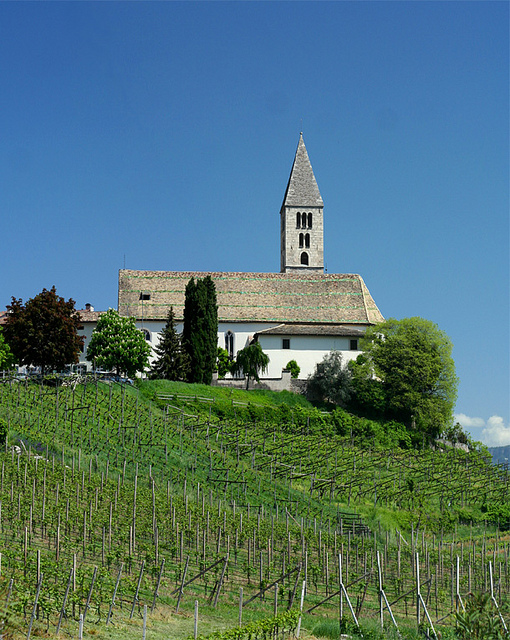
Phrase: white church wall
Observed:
(307, 351)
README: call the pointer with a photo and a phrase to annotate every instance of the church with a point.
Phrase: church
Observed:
(301, 313)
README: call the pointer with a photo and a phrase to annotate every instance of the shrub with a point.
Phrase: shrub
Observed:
(294, 368)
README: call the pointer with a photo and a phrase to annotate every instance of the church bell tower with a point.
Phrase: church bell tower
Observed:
(301, 218)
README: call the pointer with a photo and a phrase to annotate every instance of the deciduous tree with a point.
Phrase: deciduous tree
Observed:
(250, 361)
(44, 331)
(330, 382)
(116, 344)
(6, 355)
(411, 362)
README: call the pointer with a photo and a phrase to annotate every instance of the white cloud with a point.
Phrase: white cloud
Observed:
(493, 432)
(496, 433)
(469, 423)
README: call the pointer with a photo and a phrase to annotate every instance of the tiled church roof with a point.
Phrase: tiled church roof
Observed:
(314, 330)
(254, 297)
(302, 189)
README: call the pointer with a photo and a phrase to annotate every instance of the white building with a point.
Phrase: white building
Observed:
(298, 314)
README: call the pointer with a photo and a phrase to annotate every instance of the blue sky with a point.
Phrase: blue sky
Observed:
(161, 136)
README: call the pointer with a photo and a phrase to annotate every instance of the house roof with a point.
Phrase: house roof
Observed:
(317, 298)
(313, 330)
(302, 189)
(89, 316)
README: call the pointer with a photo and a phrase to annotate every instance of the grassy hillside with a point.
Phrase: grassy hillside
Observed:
(151, 486)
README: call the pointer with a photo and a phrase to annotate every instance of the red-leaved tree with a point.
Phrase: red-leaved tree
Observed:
(43, 332)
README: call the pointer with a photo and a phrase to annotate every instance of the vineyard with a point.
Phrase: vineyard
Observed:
(127, 511)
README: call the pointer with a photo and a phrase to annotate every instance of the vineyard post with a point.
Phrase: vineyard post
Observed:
(156, 591)
(458, 599)
(66, 594)
(276, 600)
(418, 594)
(420, 598)
(32, 617)
(341, 604)
(80, 627)
(494, 599)
(217, 595)
(182, 585)
(114, 594)
(135, 598)
(195, 625)
(240, 606)
(344, 591)
(134, 515)
(89, 596)
(9, 591)
(381, 614)
(301, 608)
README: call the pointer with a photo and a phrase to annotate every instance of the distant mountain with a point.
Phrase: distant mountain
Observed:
(500, 455)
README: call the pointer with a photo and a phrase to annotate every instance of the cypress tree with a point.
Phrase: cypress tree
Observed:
(200, 331)
(210, 329)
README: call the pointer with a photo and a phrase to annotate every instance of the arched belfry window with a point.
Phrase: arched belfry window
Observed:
(307, 240)
(304, 258)
(309, 220)
(301, 240)
(303, 220)
(229, 344)
(298, 220)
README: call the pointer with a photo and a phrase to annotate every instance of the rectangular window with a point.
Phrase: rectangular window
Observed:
(354, 345)
(286, 343)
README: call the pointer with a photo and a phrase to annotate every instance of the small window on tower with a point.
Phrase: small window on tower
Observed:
(298, 220)
(303, 220)
(301, 240)
(304, 258)
(309, 220)
(286, 343)
(307, 240)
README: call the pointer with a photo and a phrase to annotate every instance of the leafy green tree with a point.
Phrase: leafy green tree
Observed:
(294, 368)
(6, 356)
(117, 345)
(249, 362)
(330, 382)
(44, 331)
(172, 361)
(200, 330)
(367, 393)
(223, 362)
(410, 362)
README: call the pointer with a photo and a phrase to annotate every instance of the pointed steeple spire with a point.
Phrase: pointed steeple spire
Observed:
(302, 189)
(301, 218)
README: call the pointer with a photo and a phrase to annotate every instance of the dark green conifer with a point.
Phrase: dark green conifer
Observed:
(172, 361)
(200, 331)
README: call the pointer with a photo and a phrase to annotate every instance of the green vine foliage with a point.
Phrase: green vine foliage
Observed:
(260, 630)
(480, 620)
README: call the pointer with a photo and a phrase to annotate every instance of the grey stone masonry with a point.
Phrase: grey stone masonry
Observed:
(301, 216)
